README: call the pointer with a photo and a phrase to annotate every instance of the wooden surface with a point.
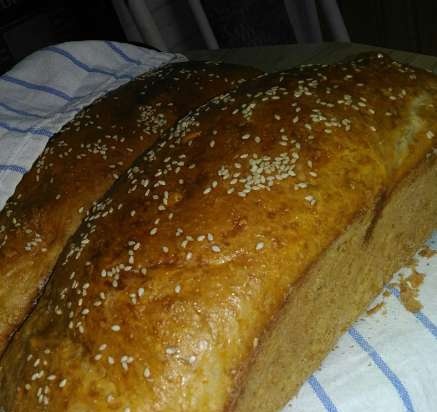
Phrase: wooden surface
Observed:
(273, 58)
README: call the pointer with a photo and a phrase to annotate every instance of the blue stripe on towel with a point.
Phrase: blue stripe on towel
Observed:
(32, 86)
(383, 367)
(421, 317)
(18, 111)
(14, 168)
(121, 53)
(321, 394)
(31, 130)
(84, 66)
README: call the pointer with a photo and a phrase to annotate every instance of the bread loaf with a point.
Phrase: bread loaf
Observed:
(221, 268)
(81, 162)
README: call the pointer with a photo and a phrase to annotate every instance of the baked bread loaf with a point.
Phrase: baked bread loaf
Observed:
(81, 162)
(218, 271)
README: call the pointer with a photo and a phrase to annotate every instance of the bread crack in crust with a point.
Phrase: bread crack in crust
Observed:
(189, 285)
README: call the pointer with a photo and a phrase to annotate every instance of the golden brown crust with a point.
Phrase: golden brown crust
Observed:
(158, 301)
(81, 162)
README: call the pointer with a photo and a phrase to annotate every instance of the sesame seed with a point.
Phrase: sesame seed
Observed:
(310, 199)
(115, 328)
(260, 245)
(177, 289)
(429, 134)
(170, 351)
(215, 248)
(245, 136)
(146, 373)
(153, 231)
(62, 383)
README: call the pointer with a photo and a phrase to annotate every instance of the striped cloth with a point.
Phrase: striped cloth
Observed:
(45, 90)
(384, 363)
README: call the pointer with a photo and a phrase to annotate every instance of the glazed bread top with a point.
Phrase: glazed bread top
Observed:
(159, 301)
(81, 162)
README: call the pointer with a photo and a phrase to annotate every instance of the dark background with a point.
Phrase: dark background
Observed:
(27, 25)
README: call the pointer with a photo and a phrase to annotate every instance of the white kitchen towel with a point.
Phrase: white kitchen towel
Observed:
(46, 89)
(386, 362)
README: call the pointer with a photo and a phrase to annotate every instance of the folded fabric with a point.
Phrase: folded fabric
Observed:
(46, 89)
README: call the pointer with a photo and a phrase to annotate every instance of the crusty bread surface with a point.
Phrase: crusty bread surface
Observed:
(81, 162)
(178, 289)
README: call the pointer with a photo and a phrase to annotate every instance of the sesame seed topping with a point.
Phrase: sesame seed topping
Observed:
(215, 248)
(259, 246)
(115, 328)
(310, 199)
(170, 351)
